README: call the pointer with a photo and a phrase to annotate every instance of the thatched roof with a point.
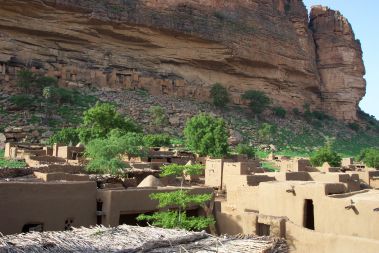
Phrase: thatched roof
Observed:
(130, 239)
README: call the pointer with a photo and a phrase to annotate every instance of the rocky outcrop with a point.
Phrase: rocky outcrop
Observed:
(340, 64)
(175, 47)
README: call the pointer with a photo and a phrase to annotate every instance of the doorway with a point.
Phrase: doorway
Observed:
(309, 218)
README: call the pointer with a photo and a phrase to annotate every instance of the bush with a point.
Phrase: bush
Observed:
(157, 140)
(158, 116)
(326, 154)
(258, 100)
(354, 126)
(244, 149)
(22, 101)
(65, 136)
(207, 135)
(25, 80)
(370, 157)
(279, 112)
(105, 154)
(219, 95)
(45, 81)
(296, 111)
(99, 120)
(266, 131)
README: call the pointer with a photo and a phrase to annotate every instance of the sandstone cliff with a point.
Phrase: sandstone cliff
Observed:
(182, 47)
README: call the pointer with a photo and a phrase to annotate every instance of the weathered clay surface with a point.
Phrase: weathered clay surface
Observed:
(182, 47)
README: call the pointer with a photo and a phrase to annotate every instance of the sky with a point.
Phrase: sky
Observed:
(363, 17)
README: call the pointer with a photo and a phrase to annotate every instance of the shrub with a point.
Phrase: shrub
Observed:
(326, 154)
(99, 120)
(296, 111)
(105, 153)
(279, 111)
(219, 95)
(207, 135)
(157, 140)
(25, 80)
(45, 81)
(158, 116)
(258, 100)
(244, 149)
(266, 132)
(65, 136)
(22, 101)
(354, 126)
(370, 157)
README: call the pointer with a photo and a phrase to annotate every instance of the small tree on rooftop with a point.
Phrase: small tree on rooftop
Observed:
(207, 135)
(219, 95)
(178, 201)
(258, 100)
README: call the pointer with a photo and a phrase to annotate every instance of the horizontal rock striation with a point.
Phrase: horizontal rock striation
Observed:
(182, 47)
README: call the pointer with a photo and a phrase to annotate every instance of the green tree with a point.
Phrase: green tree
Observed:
(219, 95)
(65, 136)
(370, 157)
(326, 154)
(158, 116)
(44, 81)
(99, 120)
(207, 135)
(106, 153)
(244, 149)
(177, 202)
(157, 140)
(258, 100)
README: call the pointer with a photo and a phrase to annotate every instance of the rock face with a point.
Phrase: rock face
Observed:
(182, 47)
(339, 60)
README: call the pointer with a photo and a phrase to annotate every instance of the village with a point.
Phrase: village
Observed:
(299, 202)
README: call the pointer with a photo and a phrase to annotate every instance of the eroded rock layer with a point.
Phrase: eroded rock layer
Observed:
(182, 47)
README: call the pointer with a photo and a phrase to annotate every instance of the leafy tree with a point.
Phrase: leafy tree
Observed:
(219, 95)
(258, 100)
(279, 111)
(370, 157)
(99, 120)
(25, 80)
(158, 116)
(244, 149)
(177, 202)
(157, 140)
(106, 153)
(207, 135)
(65, 136)
(266, 131)
(326, 154)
